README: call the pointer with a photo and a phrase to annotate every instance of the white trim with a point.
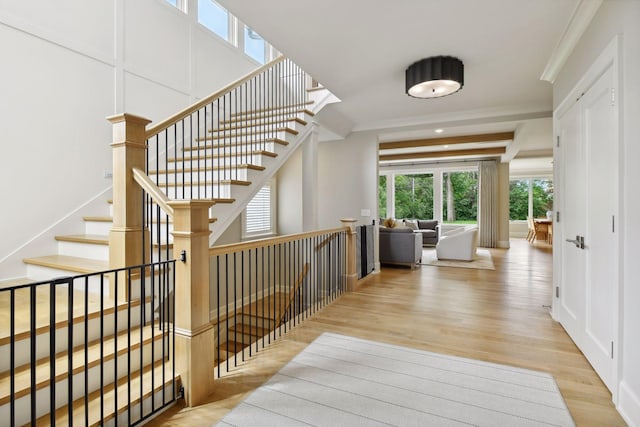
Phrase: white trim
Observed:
(629, 405)
(272, 212)
(580, 20)
(608, 58)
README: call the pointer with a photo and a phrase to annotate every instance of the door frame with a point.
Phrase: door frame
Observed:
(609, 57)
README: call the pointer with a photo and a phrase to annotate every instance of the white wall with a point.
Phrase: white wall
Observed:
(348, 179)
(620, 17)
(66, 66)
(290, 206)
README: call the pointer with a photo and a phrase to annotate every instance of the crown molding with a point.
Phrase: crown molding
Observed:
(580, 19)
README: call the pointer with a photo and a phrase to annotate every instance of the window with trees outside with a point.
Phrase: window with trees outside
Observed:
(460, 197)
(530, 197)
(414, 196)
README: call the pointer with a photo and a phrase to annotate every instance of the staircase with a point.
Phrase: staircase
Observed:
(225, 159)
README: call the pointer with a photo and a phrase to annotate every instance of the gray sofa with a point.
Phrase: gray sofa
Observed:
(429, 229)
(400, 246)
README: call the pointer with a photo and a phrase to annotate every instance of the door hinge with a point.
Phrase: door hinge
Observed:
(613, 223)
(613, 97)
(557, 216)
(557, 291)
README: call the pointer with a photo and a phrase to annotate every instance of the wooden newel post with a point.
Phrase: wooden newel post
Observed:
(194, 332)
(351, 274)
(129, 151)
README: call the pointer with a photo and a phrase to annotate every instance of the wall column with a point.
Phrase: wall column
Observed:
(310, 181)
(351, 274)
(437, 196)
(391, 195)
(194, 344)
(125, 238)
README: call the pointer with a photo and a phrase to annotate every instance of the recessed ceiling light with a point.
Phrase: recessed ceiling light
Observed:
(439, 130)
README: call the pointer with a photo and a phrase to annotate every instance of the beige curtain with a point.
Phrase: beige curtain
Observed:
(488, 204)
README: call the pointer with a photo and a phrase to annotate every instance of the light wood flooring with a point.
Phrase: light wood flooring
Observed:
(497, 316)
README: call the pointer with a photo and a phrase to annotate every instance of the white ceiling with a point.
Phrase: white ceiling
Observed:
(359, 50)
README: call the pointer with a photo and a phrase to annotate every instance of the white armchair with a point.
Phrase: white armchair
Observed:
(459, 244)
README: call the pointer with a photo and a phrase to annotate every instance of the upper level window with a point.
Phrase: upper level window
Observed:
(254, 45)
(214, 17)
(180, 4)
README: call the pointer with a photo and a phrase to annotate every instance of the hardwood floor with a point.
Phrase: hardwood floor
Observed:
(498, 316)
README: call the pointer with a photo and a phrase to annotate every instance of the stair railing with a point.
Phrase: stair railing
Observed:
(265, 287)
(200, 151)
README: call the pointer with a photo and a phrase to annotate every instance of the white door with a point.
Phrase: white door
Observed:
(588, 135)
(572, 223)
(601, 141)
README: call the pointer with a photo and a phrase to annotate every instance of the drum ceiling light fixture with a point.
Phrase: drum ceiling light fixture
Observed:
(434, 77)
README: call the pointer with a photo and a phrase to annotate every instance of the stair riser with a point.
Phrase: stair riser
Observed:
(193, 162)
(223, 191)
(259, 128)
(40, 273)
(22, 346)
(242, 174)
(98, 227)
(229, 149)
(267, 117)
(232, 138)
(84, 250)
(23, 404)
(146, 405)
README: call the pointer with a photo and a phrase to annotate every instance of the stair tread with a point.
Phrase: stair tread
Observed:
(282, 107)
(69, 263)
(239, 144)
(232, 133)
(22, 375)
(108, 396)
(97, 218)
(207, 182)
(252, 330)
(257, 122)
(95, 239)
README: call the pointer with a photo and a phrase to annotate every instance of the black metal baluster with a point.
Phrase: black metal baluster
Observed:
(32, 343)
(70, 346)
(12, 355)
(218, 313)
(235, 311)
(52, 353)
(129, 300)
(242, 305)
(86, 350)
(226, 294)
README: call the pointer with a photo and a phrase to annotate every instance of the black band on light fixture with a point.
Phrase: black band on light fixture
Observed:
(434, 77)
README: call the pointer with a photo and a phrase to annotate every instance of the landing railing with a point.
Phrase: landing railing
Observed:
(263, 288)
(72, 355)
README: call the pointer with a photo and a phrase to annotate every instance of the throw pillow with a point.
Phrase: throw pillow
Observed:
(411, 223)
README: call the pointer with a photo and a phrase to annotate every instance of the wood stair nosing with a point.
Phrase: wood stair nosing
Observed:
(226, 144)
(278, 108)
(204, 183)
(233, 134)
(98, 218)
(257, 122)
(262, 116)
(206, 157)
(69, 263)
(106, 396)
(22, 374)
(179, 170)
(94, 239)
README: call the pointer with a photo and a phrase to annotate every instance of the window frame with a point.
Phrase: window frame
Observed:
(272, 231)
(529, 179)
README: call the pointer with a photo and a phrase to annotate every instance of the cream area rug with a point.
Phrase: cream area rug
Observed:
(482, 260)
(344, 381)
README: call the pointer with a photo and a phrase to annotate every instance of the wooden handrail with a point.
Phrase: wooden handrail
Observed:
(150, 187)
(159, 127)
(254, 244)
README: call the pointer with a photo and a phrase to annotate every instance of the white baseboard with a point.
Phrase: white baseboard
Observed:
(629, 405)
(504, 244)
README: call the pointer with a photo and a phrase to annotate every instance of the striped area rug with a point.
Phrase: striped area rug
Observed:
(344, 381)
